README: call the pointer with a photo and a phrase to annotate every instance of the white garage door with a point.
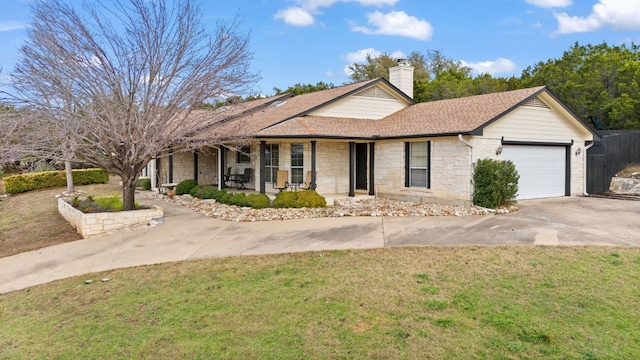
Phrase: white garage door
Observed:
(542, 169)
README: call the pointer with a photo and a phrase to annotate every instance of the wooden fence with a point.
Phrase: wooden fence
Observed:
(613, 152)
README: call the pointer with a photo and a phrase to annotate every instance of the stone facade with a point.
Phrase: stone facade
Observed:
(93, 224)
(450, 172)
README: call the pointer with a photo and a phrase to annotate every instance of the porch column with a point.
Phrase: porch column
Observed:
(313, 165)
(223, 156)
(372, 173)
(170, 164)
(263, 167)
(195, 164)
(155, 177)
(352, 168)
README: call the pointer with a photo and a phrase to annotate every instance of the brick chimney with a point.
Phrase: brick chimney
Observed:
(401, 76)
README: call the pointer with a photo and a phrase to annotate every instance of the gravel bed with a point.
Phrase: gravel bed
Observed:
(365, 207)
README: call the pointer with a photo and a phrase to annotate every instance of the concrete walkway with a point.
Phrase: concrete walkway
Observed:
(186, 235)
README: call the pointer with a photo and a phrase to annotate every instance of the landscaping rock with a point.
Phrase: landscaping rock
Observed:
(352, 207)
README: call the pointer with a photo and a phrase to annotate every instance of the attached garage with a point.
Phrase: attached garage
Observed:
(543, 169)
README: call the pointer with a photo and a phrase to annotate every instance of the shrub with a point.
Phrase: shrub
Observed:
(35, 181)
(495, 183)
(299, 199)
(285, 199)
(258, 201)
(310, 199)
(144, 184)
(239, 199)
(207, 192)
(185, 186)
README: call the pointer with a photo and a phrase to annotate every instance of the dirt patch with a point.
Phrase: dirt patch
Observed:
(629, 171)
(30, 221)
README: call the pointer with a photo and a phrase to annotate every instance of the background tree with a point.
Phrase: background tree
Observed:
(378, 66)
(595, 81)
(120, 78)
(300, 89)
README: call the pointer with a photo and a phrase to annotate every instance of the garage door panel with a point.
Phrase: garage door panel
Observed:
(542, 169)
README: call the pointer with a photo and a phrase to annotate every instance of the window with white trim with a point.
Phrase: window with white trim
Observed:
(297, 163)
(271, 161)
(418, 163)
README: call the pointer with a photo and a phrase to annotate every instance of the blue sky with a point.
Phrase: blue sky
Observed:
(306, 41)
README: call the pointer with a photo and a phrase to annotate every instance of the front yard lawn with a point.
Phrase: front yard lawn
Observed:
(408, 303)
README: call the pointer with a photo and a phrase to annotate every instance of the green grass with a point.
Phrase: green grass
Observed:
(490, 303)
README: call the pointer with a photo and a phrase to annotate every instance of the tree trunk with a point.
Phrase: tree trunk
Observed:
(128, 192)
(67, 170)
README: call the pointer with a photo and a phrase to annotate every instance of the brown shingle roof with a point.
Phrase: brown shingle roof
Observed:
(262, 117)
(453, 116)
(267, 118)
(317, 126)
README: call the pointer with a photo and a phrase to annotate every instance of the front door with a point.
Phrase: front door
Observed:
(361, 166)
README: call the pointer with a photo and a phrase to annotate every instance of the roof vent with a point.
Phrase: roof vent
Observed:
(276, 103)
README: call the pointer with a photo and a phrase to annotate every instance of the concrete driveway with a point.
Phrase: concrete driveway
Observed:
(560, 221)
(187, 235)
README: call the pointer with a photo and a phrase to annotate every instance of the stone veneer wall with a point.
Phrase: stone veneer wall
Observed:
(93, 224)
(450, 171)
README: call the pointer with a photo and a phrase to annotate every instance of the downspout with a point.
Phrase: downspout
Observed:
(584, 170)
(471, 164)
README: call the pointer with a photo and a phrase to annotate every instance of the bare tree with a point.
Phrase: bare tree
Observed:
(119, 78)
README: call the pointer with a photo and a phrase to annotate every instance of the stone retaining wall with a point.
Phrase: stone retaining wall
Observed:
(92, 224)
(625, 186)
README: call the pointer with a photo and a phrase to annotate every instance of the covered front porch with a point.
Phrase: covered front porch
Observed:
(336, 168)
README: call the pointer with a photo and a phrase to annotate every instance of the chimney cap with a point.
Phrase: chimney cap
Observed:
(403, 62)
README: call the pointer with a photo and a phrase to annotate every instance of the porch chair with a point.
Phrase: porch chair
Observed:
(306, 185)
(227, 177)
(282, 180)
(240, 183)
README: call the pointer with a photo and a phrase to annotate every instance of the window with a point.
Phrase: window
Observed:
(417, 164)
(243, 155)
(297, 163)
(271, 161)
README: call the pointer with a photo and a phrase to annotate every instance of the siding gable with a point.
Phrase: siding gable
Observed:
(373, 103)
(535, 121)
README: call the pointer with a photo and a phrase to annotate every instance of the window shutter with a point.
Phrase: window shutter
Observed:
(407, 157)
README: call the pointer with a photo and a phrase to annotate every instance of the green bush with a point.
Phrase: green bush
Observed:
(35, 181)
(310, 199)
(239, 199)
(285, 199)
(185, 186)
(144, 184)
(299, 199)
(207, 192)
(258, 201)
(495, 183)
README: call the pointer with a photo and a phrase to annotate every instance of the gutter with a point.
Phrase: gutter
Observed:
(584, 170)
(471, 165)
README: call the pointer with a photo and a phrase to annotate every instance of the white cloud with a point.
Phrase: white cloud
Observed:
(497, 66)
(329, 73)
(613, 14)
(361, 55)
(396, 23)
(303, 13)
(549, 3)
(315, 4)
(295, 16)
(10, 25)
